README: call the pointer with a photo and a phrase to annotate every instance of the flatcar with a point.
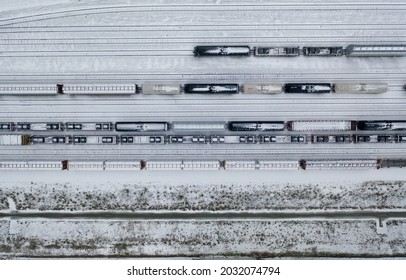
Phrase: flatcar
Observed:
(89, 126)
(376, 50)
(211, 88)
(256, 126)
(222, 51)
(273, 88)
(84, 139)
(164, 89)
(134, 139)
(44, 139)
(360, 88)
(381, 125)
(307, 88)
(276, 51)
(141, 126)
(323, 51)
(40, 126)
(331, 139)
(7, 126)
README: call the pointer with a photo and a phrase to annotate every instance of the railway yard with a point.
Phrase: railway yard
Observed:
(202, 129)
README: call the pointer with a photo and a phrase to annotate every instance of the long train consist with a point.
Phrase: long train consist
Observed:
(138, 165)
(217, 126)
(199, 88)
(207, 133)
(291, 51)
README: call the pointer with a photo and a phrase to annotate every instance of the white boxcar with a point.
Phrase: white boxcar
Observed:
(164, 165)
(201, 165)
(30, 165)
(278, 165)
(360, 88)
(272, 88)
(240, 165)
(10, 89)
(321, 125)
(122, 165)
(197, 126)
(85, 165)
(14, 140)
(100, 89)
(340, 164)
(167, 89)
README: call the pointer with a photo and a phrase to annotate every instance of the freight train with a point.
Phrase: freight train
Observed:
(207, 132)
(291, 51)
(198, 88)
(138, 165)
(294, 126)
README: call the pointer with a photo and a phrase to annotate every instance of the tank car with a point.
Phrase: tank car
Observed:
(260, 88)
(256, 126)
(211, 88)
(222, 51)
(381, 125)
(307, 88)
(164, 89)
(141, 126)
(360, 88)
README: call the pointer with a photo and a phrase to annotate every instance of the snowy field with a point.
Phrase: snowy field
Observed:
(297, 213)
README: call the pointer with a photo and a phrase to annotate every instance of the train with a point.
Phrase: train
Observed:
(138, 165)
(235, 132)
(198, 88)
(259, 126)
(200, 138)
(352, 50)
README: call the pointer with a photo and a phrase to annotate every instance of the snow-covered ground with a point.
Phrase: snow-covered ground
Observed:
(238, 213)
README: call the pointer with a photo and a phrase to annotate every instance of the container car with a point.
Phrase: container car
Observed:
(211, 88)
(307, 88)
(222, 51)
(321, 125)
(376, 50)
(161, 89)
(261, 88)
(256, 126)
(381, 125)
(323, 51)
(276, 51)
(360, 88)
(141, 126)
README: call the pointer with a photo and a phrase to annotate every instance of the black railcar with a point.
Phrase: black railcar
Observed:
(211, 88)
(307, 88)
(222, 51)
